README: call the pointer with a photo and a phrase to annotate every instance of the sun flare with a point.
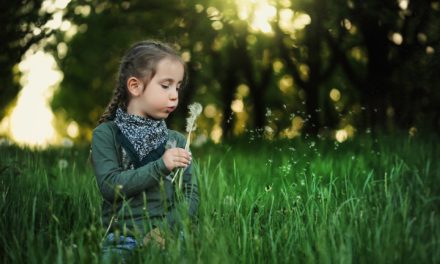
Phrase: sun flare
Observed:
(30, 123)
(259, 13)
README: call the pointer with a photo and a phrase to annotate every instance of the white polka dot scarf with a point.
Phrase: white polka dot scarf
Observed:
(145, 134)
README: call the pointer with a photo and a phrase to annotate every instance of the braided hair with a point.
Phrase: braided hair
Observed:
(140, 61)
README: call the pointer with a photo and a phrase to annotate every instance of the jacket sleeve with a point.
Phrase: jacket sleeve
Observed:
(113, 181)
(190, 192)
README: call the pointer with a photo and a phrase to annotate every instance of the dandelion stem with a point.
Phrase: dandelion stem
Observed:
(194, 110)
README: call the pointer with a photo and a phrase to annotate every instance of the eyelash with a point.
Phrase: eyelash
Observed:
(167, 86)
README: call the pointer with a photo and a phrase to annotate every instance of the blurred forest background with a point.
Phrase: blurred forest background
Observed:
(281, 68)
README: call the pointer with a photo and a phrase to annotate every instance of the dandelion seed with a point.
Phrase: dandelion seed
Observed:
(268, 112)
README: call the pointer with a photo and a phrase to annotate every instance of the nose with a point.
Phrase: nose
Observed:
(173, 95)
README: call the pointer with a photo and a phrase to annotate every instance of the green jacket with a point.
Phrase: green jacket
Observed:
(136, 199)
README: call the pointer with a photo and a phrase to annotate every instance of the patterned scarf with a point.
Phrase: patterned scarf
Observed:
(144, 134)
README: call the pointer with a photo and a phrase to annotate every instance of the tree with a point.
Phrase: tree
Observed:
(106, 30)
(22, 26)
(394, 40)
(310, 50)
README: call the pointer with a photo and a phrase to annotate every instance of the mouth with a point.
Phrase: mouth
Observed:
(170, 109)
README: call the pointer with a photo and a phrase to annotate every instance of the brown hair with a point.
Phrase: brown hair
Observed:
(139, 61)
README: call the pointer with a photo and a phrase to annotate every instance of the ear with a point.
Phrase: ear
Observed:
(134, 86)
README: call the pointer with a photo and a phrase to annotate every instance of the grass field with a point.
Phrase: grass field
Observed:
(298, 201)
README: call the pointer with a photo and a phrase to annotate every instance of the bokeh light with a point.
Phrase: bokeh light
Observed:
(31, 121)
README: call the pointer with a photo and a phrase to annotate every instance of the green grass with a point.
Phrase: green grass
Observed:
(298, 201)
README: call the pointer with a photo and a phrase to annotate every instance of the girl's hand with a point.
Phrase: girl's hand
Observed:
(155, 235)
(176, 158)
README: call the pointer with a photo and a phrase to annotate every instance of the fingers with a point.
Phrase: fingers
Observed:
(183, 153)
(181, 162)
(182, 158)
(177, 158)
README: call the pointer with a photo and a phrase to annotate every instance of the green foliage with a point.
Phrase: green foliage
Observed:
(379, 54)
(348, 45)
(19, 19)
(364, 201)
(92, 60)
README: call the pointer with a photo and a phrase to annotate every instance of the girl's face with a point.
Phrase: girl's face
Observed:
(160, 97)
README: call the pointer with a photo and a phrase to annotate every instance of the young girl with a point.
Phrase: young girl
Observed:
(131, 156)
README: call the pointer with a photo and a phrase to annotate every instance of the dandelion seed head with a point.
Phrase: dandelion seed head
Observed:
(67, 143)
(228, 200)
(195, 110)
(62, 164)
(412, 131)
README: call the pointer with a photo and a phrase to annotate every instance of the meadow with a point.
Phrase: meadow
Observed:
(366, 200)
